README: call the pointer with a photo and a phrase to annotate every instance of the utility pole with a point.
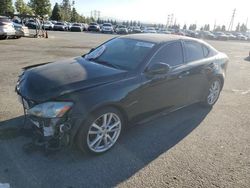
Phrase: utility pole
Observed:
(230, 27)
(95, 14)
(214, 24)
(170, 20)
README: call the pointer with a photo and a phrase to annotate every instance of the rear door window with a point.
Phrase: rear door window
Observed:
(170, 54)
(194, 51)
(206, 51)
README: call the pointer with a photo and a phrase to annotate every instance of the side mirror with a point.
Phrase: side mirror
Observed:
(91, 50)
(158, 68)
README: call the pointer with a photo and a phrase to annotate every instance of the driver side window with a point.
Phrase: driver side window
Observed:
(170, 54)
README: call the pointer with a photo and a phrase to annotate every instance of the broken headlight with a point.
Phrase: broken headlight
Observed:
(50, 109)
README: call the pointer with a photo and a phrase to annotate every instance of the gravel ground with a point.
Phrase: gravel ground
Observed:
(192, 147)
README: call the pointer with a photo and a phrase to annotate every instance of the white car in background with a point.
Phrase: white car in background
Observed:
(48, 25)
(107, 28)
(149, 30)
(240, 36)
(6, 28)
(21, 30)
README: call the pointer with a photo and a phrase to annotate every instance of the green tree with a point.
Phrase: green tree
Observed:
(192, 27)
(99, 21)
(75, 16)
(238, 27)
(184, 27)
(223, 28)
(82, 19)
(23, 8)
(243, 28)
(65, 10)
(218, 28)
(207, 27)
(127, 23)
(56, 13)
(40, 7)
(6, 7)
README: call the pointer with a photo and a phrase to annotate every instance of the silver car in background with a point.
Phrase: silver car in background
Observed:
(149, 30)
(7, 29)
(107, 28)
(48, 25)
(21, 30)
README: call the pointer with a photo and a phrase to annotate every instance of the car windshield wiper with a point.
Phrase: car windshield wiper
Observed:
(104, 63)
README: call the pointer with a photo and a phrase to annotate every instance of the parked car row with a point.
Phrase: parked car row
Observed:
(224, 36)
(9, 29)
(16, 30)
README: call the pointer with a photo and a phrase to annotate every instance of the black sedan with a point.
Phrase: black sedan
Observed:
(121, 29)
(76, 27)
(60, 26)
(91, 99)
(94, 27)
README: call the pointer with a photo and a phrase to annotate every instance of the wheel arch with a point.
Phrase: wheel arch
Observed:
(221, 78)
(111, 105)
(80, 123)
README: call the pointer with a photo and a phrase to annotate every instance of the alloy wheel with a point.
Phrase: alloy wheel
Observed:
(104, 132)
(214, 92)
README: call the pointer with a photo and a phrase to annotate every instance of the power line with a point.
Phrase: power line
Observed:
(230, 27)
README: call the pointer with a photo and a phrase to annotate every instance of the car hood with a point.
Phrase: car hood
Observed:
(107, 28)
(122, 29)
(48, 81)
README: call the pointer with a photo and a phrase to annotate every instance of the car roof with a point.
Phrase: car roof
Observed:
(157, 38)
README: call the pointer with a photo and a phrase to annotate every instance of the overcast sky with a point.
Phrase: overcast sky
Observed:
(185, 11)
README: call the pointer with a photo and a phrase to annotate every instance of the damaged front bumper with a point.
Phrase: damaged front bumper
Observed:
(52, 133)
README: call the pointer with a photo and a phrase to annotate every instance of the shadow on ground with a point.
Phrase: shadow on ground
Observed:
(140, 146)
(247, 58)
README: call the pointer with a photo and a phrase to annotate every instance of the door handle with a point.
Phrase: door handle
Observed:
(183, 74)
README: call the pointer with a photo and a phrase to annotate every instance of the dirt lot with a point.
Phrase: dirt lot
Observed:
(193, 147)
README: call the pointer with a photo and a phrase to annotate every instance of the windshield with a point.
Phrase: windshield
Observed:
(107, 25)
(59, 23)
(76, 24)
(122, 53)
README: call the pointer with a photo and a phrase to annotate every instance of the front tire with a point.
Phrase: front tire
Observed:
(213, 93)
(101, 131)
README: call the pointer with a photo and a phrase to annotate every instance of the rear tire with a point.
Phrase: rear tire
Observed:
(100, 131)
(213, 93)
(3, 37)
